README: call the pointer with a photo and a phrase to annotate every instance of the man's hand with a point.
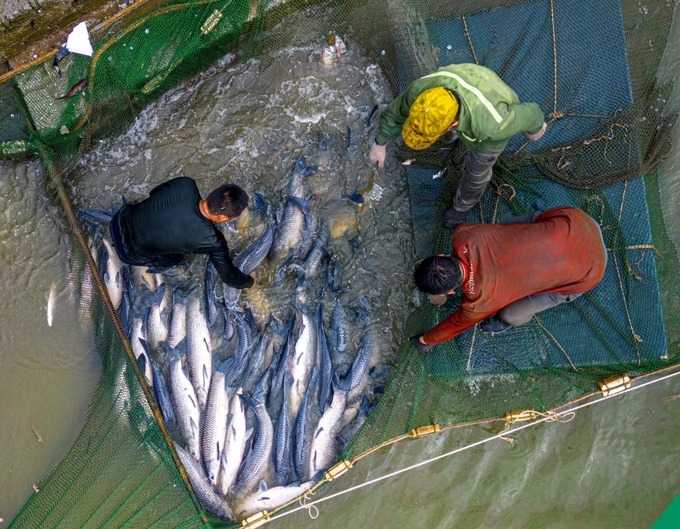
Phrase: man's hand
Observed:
(377, 155)
(423, 348)
(537, 136)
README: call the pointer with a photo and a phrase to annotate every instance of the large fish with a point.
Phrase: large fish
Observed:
(266, 499)
(112, 274)
(325, 362)
(300, 172)
(304, 358)
(139, 349)
(303, 430)
(178, 322)
(51, 298)
(324, 444)
(214, 426)
(339, 328)
(282, 437)
(199, 351)
(276, 388)
(294, 219)
(234, 444)
(96, 216)
(156, 329)
(255, 365)
(211, 500)
(209, 288)
(309, 266)
(349, 431)
(365, 356)
(163, 399)
(261, 450)
(187, 411)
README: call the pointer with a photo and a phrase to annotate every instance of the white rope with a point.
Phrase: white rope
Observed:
(545, 418)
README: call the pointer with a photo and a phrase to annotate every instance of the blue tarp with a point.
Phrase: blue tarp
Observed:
(620, 321)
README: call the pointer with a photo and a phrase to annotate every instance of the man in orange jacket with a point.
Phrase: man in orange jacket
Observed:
(509, 272)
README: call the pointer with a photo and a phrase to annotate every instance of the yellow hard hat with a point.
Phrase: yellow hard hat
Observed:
(430, 116)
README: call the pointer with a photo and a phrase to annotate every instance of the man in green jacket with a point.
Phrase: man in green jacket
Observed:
(460, 101)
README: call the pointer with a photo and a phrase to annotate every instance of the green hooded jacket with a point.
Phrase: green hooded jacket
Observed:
(490, 111)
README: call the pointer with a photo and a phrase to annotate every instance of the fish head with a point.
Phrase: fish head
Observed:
(202, 397)
(193, 448)
(213, 468)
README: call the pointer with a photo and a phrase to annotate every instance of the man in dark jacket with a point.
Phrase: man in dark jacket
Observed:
(174, 221)
(507, 273)
(459, 101)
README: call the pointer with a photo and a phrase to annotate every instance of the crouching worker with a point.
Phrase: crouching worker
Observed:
(509, 272)
(175, 221)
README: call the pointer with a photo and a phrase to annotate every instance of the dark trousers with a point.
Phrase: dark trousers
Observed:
(477, 175)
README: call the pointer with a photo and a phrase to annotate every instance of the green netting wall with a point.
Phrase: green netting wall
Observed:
(122, 471)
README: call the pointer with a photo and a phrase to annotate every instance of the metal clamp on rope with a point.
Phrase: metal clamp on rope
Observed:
(424, 430)
(256, 520)
(337, 470)
(520, 415)
(614, 385)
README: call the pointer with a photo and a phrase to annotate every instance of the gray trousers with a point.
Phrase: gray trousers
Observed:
(522, 310)
(477, 175)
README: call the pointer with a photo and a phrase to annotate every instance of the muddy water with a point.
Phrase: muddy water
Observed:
(613, 465)
(47, 374)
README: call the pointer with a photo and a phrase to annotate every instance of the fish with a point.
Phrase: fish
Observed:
(62, 52)
(339, 327)
(266, 499)
(98, 216)
(304, 358)
(142, 280)
(286, 356)
(338, 45)
(228, 328)
(162, 395)
(328, 57)
(112, 275)
(234, 444)
(51, 298)
(300, 172)
(324, 444)
(281, 457)
(349, 431)
(244, 341)
(325, 363)
(255, 365)
(199, 351)
(144, 360)
(362, 361)
(214, 426)
(209, 284)
(211, 500)
(37, 436)
(186, 407)
(294, 219)
(178, 324)
(156, 329)
(309, 266)
(355, 197)
(75, 89)
(303, 430)
(261, 450)
(125, 309)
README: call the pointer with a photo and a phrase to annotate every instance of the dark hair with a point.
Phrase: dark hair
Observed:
(437, 275)
(229, 200)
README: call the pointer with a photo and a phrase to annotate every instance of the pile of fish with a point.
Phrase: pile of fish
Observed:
(257, 413)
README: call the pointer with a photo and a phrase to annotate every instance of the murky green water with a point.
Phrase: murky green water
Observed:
(614, 465)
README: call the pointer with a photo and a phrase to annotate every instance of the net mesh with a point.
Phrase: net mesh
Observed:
(592, 69)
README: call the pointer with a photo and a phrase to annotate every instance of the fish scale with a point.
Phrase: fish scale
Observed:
(304, 359)
(302, 430)
(324, 444)
(214, 426)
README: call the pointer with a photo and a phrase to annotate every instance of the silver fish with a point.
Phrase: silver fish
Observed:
(282, 437)
(209, 288)
(143, 280)
(304, 358)
(309, 266)
(186, 407)
(290, 227)
(199, 351)
(255, 366)
(324, 444)
(234, 444)
(144, 360)
(260, 452)
(211, 501)
(325, 362)
(156, 329)
(162, 395)
(349, 431)
(178, 321)
(113, 274)
(364, 358)
(51, 298)
(214, 426)
(303, 430)
(266, 499)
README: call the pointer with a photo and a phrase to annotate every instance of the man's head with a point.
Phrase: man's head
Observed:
(432, 113)
(228, 200)
(438, 275)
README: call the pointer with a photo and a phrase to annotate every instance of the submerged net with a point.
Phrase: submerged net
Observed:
(591, 68)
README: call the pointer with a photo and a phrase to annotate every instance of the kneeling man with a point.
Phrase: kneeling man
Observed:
(509, 272)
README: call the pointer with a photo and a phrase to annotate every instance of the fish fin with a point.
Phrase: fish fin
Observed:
(249, 433)
(141, 360)
(318, 432)
(206, 378)
(263, 486)
(194, 428)
(145, 345)
(193, 403)
(370, 116)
